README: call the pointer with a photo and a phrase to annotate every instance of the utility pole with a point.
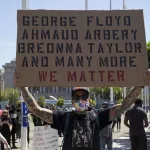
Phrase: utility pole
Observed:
(23, 128)
(86, 4)
(110, 4)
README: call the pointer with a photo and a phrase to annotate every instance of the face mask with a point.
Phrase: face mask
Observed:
(81, 105)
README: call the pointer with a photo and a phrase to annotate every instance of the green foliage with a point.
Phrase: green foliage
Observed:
(148, 51)
(2, 97)
(41, 101)
(119, 101)
(118, 93)
(128, 90)
(105, 92)
(60, 102)
(92, 102)
(96, 91)
(10, 94)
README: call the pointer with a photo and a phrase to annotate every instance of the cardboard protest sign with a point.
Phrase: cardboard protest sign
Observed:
(45, 138)
(88, 48)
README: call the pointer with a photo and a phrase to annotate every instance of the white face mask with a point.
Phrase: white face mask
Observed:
(81, 105)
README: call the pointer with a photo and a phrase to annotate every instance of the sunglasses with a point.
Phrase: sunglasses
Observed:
(80, 97)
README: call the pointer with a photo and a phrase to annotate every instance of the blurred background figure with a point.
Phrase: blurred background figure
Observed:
(119, 123)
(28, 130)
(18, 128)
(136, 119)
(13, 117)
(106, 133)
(6, 127)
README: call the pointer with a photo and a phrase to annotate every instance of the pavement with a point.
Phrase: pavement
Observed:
(121, 139)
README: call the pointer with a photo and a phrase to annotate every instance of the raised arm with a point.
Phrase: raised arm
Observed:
(43, 113)
(117, 110)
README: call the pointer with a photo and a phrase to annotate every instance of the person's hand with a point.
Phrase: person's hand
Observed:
(16, 77)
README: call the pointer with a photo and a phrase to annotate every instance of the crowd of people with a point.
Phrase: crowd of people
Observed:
(79, 124)
(10, 126)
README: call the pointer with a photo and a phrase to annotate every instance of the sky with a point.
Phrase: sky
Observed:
(8, 21)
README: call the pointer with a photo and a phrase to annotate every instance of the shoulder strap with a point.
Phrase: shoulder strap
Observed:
(93, 116)
(66, 126)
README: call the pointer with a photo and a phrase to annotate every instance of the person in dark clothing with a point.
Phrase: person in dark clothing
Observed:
(18, 127)
(28, 130)
(106, 137)
(114, 124)
(137, 119)
(119, 123)
(6, 127)
(37, 121)
(80, 127)
(13, 116)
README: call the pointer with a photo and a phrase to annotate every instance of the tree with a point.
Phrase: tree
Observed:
(41, 101)
(92, 102)
(105, 93)
(10, 94)
(96, 91)
(2, 96)
(148, 51)
(118, 92)
(60, 102)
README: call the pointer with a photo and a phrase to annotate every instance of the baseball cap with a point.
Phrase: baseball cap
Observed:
(76, 89)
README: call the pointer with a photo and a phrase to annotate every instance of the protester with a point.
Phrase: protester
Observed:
(80, 127)
(106, 133)
(37, 121)
(7, 107)
(28, 130)
(119, 123)
(114, 124)
(18, 127)
(6, 127)
(13, 117)
(137, 119)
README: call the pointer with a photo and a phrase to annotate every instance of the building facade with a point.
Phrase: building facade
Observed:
(9, 69)
(1, 80)
(57, 92)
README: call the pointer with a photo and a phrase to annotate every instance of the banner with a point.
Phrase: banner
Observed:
(73, 47)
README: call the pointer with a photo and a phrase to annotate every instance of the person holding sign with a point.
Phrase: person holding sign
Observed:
(80, 127)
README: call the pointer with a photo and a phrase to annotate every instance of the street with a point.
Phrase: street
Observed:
(121, 139)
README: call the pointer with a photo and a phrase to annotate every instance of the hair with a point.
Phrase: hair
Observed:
(138, 101)
(5, 111)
